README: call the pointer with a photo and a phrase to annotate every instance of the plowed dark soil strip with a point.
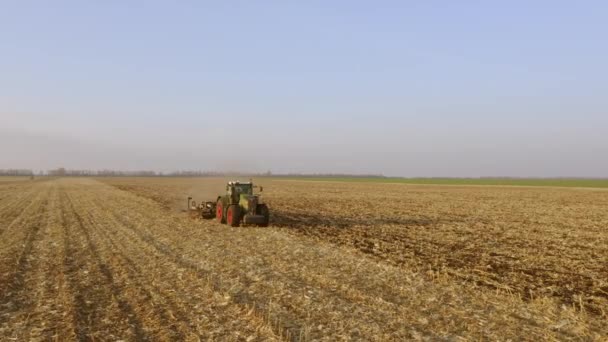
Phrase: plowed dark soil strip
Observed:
(401, 247)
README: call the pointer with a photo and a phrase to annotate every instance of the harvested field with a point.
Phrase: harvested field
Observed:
(9, 179)
(114, 259)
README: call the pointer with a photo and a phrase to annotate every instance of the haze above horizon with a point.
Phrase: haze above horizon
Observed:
(428, 89)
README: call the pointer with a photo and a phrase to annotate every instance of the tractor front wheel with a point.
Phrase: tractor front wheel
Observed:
(219, 212)
(233, 216)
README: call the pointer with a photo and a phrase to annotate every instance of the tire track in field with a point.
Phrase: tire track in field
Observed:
(140, 294)
(124, 306)
(18, 263)
(180, 293)
(99, 308)
(171, 295)
(78, 305)
(150, 297)
(43, 317)
(18, 251)
(48, 286)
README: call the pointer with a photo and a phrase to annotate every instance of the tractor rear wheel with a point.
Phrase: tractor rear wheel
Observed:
(263, 210)
(219, 212)
(233, 215)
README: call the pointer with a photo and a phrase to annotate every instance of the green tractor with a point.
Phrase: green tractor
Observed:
(240, 205)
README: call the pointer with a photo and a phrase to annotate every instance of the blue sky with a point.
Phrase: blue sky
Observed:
(433, 88)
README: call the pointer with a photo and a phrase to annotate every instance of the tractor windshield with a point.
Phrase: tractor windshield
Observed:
(243, 189)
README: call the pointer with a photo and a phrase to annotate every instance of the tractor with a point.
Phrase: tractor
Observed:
(240, 205)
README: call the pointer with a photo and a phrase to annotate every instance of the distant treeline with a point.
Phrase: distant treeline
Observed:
(63, 172)
(323, 175)
(16, 172)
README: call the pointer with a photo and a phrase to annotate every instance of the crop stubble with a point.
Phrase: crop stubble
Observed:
(84, 260)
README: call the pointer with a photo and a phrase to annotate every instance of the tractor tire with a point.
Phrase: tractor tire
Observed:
(263, 210)
(233, 216)
(219, 212)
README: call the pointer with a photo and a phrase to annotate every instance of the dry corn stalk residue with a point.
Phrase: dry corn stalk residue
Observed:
(115, 259)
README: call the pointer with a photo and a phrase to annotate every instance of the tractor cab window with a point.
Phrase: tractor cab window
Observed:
(243, 189)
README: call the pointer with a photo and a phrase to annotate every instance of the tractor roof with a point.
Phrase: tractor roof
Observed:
(238, 183)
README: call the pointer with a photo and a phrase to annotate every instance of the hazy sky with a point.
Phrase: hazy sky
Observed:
(410, 88)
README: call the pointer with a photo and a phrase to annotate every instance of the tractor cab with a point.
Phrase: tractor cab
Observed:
(239, 188)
